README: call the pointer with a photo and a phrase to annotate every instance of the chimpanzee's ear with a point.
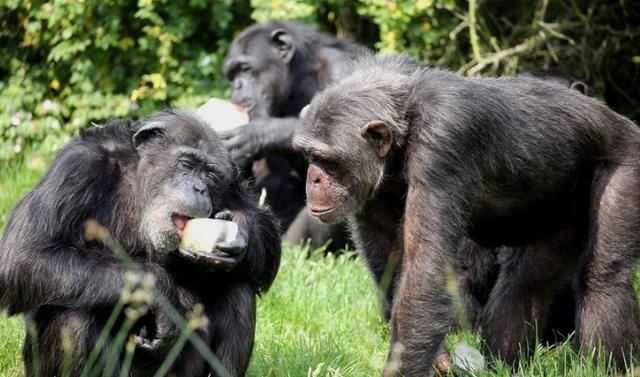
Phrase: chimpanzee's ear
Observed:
(580, 87)
(304, 111)
(379, 134)
(148, 131)
(284, 44)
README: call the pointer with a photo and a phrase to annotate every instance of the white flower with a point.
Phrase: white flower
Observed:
(16, 119)
(49, 106)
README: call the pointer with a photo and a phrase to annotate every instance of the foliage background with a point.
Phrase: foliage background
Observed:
(67, 63)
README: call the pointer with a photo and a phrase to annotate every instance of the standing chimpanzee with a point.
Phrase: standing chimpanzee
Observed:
(478, 268)
(142, 182)
(418, 163)
(274, 70)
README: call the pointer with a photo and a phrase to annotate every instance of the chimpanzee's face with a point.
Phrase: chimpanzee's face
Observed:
(258, 71)
(182, 169)
(346, 157)
(330, 188)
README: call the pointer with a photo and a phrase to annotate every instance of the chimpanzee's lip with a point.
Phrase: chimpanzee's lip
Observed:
(242, 109)
(179, 221)
(321, 211)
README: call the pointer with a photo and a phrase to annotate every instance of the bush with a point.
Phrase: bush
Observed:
(67, 63)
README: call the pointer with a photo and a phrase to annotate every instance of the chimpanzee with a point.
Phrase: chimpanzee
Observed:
(275, 69)
(142, 181)
(419, 162)
(478, 268)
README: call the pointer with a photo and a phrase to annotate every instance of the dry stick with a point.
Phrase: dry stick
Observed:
(555, 33)
(525, 46)
(539, 17)
(478, 63)
(473, 32)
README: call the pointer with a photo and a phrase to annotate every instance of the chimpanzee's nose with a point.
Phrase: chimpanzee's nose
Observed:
(200, 188)
(314, 175)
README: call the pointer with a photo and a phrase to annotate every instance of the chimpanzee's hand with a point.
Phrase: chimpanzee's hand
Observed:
(247, 142)
(225, 255)
(155, 332)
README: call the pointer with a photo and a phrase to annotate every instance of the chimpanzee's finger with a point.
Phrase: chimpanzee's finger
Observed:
(224, 215)
(235, 247)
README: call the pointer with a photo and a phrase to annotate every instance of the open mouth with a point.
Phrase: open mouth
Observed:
(242, 109)
(179, 221)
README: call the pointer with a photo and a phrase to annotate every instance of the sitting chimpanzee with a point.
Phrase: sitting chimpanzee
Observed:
(274, 70)
(142, 182)
(420, 162)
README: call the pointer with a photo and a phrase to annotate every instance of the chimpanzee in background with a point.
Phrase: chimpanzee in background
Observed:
(274, 70)
(420, 162)
(142, 181)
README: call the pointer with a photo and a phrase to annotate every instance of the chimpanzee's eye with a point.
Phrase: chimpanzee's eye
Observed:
(244, 67)
(212, 172)
(186, 163)
(328, 164)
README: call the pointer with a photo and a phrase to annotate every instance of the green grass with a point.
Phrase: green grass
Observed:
(321, 317)
(15, 180)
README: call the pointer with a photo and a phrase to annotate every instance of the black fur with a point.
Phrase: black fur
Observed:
(275, 69)
(123, 175)
(478, 267)
(418, 160)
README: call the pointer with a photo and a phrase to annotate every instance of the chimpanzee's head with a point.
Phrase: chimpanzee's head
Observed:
(264, 66)
(557, 77)
(349, 132)
(182, 169)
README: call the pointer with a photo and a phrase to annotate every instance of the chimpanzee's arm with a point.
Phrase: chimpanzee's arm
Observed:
(262, 259)
(382, 255)
(44, 257)
(38, 274)
(261, 135)
(422, 311)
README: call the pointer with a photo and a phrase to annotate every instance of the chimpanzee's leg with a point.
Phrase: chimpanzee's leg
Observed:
(47, 341)
(607, 306)
(519, 306)
(422, 311)
(232, 323)
(476, 273)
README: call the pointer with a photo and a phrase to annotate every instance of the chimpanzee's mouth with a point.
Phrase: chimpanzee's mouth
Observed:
(321, 211)
(244, 106)
(243, 109)
(179, 221)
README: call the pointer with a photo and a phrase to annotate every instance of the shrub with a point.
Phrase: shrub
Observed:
(67, 63)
